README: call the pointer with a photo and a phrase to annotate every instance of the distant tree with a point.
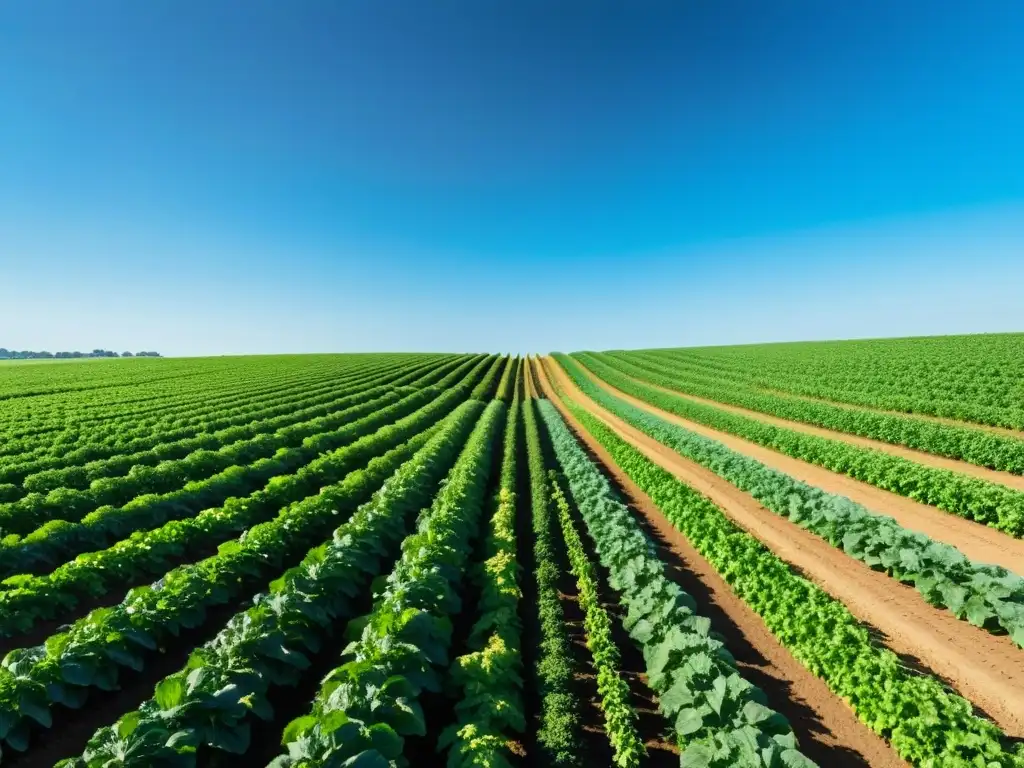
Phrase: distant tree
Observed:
(127, 354)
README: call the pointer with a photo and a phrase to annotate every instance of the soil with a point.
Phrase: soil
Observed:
(979, 542)
(921, 457)
(827, 729)
(986, 669)
(1008, 431)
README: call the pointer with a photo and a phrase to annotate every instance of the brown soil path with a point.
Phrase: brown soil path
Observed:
(1008, 431)
(921, 457)
(828, 730)
(979, 542)
(986, 669)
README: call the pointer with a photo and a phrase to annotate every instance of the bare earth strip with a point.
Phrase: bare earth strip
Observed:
(921, 457)
(986, 669)
(979, 542)
(827, 728)
(1008, 431)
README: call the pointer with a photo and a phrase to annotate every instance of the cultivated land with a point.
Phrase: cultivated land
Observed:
(770, 556)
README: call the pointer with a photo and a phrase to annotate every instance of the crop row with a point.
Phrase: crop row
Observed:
(969, 497)
(130, 436)
(976, 446)
(986, 595)
(719, 718)
(925, 723)
(63, 429)
(488, 679)
(72, 504)
(628, 750)
(54, 542)
(559, 732)
(29, 599)
(150, 400)
(968, 378)
(225, 685)
(93, 651)
(368, 705)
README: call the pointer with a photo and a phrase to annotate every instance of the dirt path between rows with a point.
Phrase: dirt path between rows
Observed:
(986, 669)
(921, 457)
(828, 730)
(977, 541)
(1008, 431)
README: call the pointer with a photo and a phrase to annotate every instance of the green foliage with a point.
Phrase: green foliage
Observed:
(926, 724)
(990, 503)
(718, 716)
(91, 652)
(489, 678)
(986, 595)
(559, 734)
(224, 685)
(977, 446)
(619, 716)
(969, 378)
(401, 648)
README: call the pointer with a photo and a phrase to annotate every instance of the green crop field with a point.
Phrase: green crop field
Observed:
(771, 556)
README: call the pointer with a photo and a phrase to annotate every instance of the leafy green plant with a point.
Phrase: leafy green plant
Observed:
(489, 679)
(976, 446)
(986, 595)
(559, 734)
(371, 702)
(93, 650)
(619, 715)
(925, 723)
(975, 499)
(213, 701)
(719, 718)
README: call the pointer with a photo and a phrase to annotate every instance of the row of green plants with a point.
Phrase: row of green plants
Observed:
(559, 729)
(57, 541)
(987, 596)
(966, 378)
(72, 504)
(989, 503)
(976, 446)
(620, 718)
(25, 600)
(94, 651)
(368, 705)
(133, 437)
(487, 680)
(350, 392)
(65, 431)
(488, 385)
(926, 724)
(223, 689)
(719, 718)
(63, 417)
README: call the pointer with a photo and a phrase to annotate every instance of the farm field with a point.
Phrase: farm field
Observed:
(774, 556)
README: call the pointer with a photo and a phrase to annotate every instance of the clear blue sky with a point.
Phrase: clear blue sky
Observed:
(203, 177)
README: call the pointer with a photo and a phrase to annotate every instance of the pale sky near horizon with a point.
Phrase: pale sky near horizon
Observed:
(208, 178)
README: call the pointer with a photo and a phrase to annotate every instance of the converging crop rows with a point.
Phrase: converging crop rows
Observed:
(764, 557)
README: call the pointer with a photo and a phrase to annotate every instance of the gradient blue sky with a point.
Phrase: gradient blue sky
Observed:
(227, 177)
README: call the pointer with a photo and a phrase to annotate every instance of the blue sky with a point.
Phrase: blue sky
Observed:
(215, 177)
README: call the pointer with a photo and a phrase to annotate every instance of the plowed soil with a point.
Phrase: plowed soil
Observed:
(921, 457)
(986, 669)
(977, 541)
(827, 729)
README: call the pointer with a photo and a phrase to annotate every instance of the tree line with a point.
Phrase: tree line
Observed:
(12, 354)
